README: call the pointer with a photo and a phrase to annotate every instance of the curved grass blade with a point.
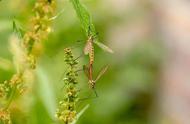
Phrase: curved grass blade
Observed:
(56, 16)
(80, 114)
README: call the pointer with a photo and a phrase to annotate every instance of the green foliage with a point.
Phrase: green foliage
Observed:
(132, 73)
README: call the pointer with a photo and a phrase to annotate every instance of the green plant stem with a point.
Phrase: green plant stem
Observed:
(11, 98)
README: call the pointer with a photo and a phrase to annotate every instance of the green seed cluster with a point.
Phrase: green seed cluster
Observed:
(67, 107)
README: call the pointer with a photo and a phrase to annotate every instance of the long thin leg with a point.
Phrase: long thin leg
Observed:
(79, 56)
(78, 43)
(79, 70)
(96, 96)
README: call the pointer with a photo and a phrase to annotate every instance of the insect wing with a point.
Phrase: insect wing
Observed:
(87, 47)
(86, 71)
(104, 47)
(103, 70)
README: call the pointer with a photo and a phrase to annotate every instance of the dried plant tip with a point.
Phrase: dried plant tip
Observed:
(5, 117)
(5, 89)
(16, 79)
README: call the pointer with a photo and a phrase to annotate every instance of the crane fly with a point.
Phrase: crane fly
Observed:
(91, 82)
(89, 50)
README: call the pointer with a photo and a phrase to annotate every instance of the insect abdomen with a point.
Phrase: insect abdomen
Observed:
(91, 55)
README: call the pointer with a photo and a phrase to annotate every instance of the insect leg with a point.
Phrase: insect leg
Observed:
(79, 56)
(87, 98)
(95, 92)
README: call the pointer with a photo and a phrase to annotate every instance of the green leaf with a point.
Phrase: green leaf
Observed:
(87, 24)
(84, 17)
(17, 30)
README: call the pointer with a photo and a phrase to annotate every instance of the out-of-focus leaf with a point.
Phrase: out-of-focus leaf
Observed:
(46, 92)
(5, 25)
(5, 64)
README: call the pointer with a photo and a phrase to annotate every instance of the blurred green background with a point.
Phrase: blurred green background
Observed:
(128, 90)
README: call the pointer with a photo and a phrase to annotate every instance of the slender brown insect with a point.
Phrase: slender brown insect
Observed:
(89, 50)
(89, 75)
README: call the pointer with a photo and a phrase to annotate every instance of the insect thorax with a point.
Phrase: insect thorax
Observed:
(91, 84)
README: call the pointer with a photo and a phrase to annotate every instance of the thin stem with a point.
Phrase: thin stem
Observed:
(11, 98)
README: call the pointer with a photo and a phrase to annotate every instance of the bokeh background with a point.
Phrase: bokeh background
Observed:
(148, 77)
